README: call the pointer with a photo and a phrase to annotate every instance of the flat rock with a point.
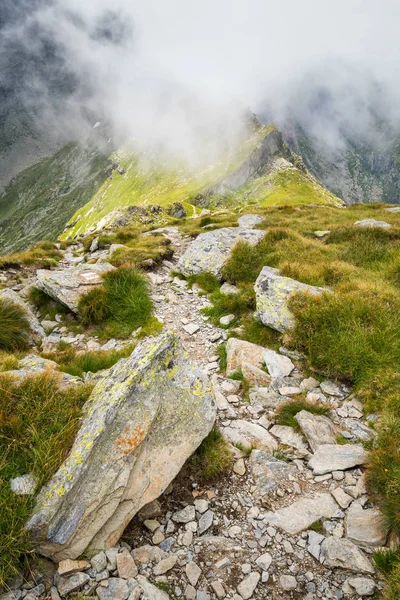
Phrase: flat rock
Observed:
(247, 587)
(165, 565)
(301, 514)
(24, 485)
(210, 251)
(287, 436)
(116, 589)
(249, 434)
(363, 586)
(185, 515)
(365, 527)
(343, 554)
(205, 521)
(126, 566)
(66, 286)
(69, 583)
(37, 331)
(272, 295)
(372, 223)
(254, 376)
(336, 457)
(239, 352)
(250, 220)
(266, 397)
(278, 365)
(68, 567)
(193, 573)
(288, 582)
(343, 499)
(130, 447)
(264, 561)
(150, 591)
(269, 472)
(318, 429)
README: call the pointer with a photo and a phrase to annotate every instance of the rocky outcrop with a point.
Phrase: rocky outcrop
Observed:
(37, 331)
(66, 286)
(272, 295)
(140, 425)
(210, 251)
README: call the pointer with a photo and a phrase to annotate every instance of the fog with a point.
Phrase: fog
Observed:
(179, 75)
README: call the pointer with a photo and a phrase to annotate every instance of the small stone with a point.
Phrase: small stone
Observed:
(165, 565)
(248, 585)
(151, 525)
(126, 566)
(342, 553)
(364, 586)
(227, 288)
(158, 537)
(205, 521)
(278, 365)
(308, 384)
(68, 584)
(336, 457)
(24, 485)
(68, 566)
(239, 467)
(191, 328)
(218, 589)
(343, 499)
(193, 573)
(227, 319)
(201, 505)
(99, 562)
(264, 561)
(372, 223)
(288, 582)
(185, 515)
(331, 389)
(190, 592)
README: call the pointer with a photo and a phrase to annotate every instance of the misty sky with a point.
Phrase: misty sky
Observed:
(165, 71)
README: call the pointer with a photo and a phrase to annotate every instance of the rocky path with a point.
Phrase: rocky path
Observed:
(291, 521)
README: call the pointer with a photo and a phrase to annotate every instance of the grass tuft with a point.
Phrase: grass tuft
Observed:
(14, 327)
(286, 412)
(213, 457)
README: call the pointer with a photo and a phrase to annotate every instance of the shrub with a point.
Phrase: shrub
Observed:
(121, 304)
(14, 326)
(213, 457)
(38, 422)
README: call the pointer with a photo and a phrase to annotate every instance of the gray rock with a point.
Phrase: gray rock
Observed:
(288, 582)
(343, 499)
(364, 586)
(343, 554)
(272, 295)
(247, 587)
(205, 521)
(336, 457)
(393, 209)
(264, 561)
(287, 436)
(249, 434)
(165, 565)
(24, 485)
(318, 429)
(250, 220)
(227, 288)
(193, 573)
(126, 566)
(116, 589)
(94, 245)
(227, 319)
(191, 328)
(210, 251)
(372, 223)
(185, 515)
(277, 364)
(150, 591)
(130, 447)
(70, 583)
(37, 331)
(66, 286)
(99, 562)
(265, 397)
(299, 515)
(269, 472)
(239, 352)
(177, 210)
(365, 527)
(332, 389)
(314, 543)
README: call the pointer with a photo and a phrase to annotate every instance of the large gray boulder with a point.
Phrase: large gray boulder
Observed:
(210, 251)
(140, 425)
(66, 286)
(37, 331)
(272, 295)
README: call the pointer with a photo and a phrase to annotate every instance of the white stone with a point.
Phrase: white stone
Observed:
(277, 364)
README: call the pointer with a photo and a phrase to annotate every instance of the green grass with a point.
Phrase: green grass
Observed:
(77, 363)
(387, 562)
(14, 327)
(141, 249)
(119, 306)
(286, 413)
(212, 458)
(38, 425)
(42, 255)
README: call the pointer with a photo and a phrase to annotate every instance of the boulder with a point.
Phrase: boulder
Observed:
(336, 457)
(140, 425)
(37, 331)
(287, 436)
(343, 554)
(177, 210)
(363, 586)
(66, 286)
(277, 364)
(373, 223)
(36, 365)
(269, 473)
(301, 514)
(247, 434)
(317, 429)
(365, 527)
(272, 295)
(239, 352)
(250, 220)
(210, 251)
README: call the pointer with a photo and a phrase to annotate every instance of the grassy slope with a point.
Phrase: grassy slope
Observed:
(145, 186)
(39, 201)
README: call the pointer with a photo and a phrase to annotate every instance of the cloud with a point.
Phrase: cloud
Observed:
(177, 73)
